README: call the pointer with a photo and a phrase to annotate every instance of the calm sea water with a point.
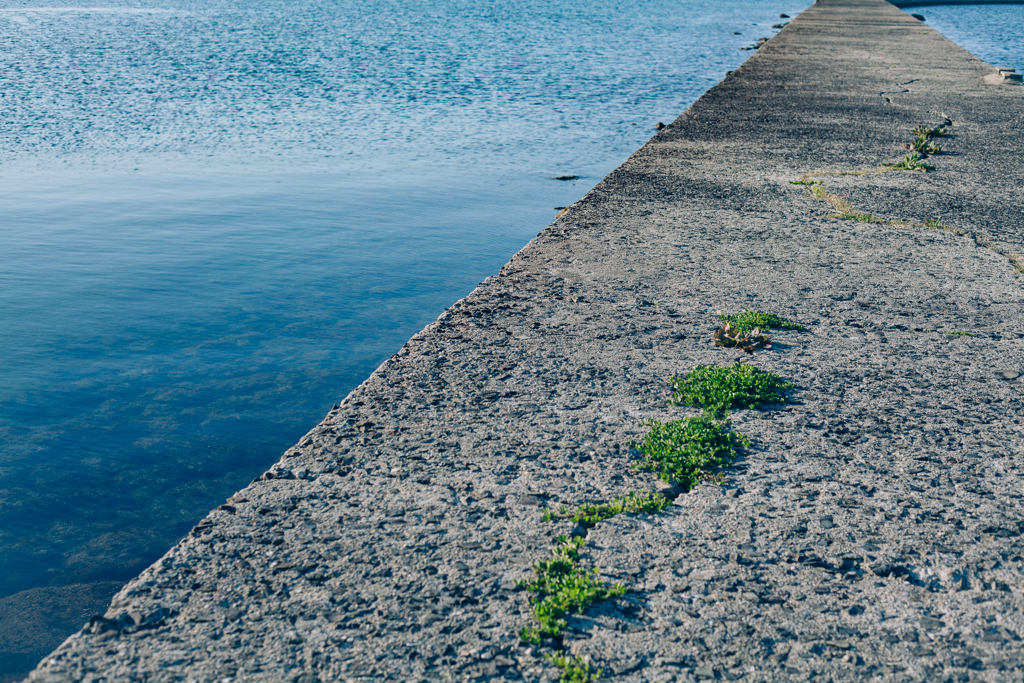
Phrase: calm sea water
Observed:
(216, 218)
(993, 32)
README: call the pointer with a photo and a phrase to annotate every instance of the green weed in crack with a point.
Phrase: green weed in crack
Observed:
(591, 513)
(682, 452)
(921, 130)
(920, 147)
(858, 217)
(562, 586)
(923, 146)
(720, 389)
(843, 208)
(910, 162)
(574, 669)
(936, 224)
(748, 320)
(689, 451)
(732, 337)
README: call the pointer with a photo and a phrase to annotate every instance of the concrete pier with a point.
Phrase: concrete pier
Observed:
(872, 531)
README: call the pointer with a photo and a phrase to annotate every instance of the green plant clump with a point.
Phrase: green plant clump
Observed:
(923, 145)
(574, 669)
(719, 390)
(590, 513)
(731, 337)
(562, 586)
(926, 132)
(911, 162)
(805, 181)
(689, 451)
(961, 333)
(748, 320)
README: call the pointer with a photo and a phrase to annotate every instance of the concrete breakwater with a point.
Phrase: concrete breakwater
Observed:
(872, 529)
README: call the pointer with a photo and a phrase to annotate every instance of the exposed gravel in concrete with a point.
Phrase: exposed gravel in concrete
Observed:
(873, 531)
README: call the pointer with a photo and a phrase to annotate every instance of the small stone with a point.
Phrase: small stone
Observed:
(783, 16)
(704, 672)
(659, 125)
(429, 619)
(667, 490)
(629, 666)
(1007, 374)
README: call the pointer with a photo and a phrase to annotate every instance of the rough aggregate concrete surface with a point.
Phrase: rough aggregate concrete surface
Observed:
(872, 532)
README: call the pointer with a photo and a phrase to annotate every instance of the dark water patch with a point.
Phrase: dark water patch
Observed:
(34, 622)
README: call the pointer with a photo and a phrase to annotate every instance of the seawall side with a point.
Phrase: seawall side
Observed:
(871, 531)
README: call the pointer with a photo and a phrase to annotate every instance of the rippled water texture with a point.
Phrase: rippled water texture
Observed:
(993, 32)
(218, 217)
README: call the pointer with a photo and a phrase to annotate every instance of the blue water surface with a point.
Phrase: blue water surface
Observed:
(993, 32)
(219, 217)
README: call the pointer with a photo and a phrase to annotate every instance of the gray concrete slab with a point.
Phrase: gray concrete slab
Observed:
(871, 532)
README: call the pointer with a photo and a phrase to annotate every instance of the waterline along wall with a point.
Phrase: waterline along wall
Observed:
(871, 527)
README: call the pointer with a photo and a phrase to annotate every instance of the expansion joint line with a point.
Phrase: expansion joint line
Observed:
(920, 148)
